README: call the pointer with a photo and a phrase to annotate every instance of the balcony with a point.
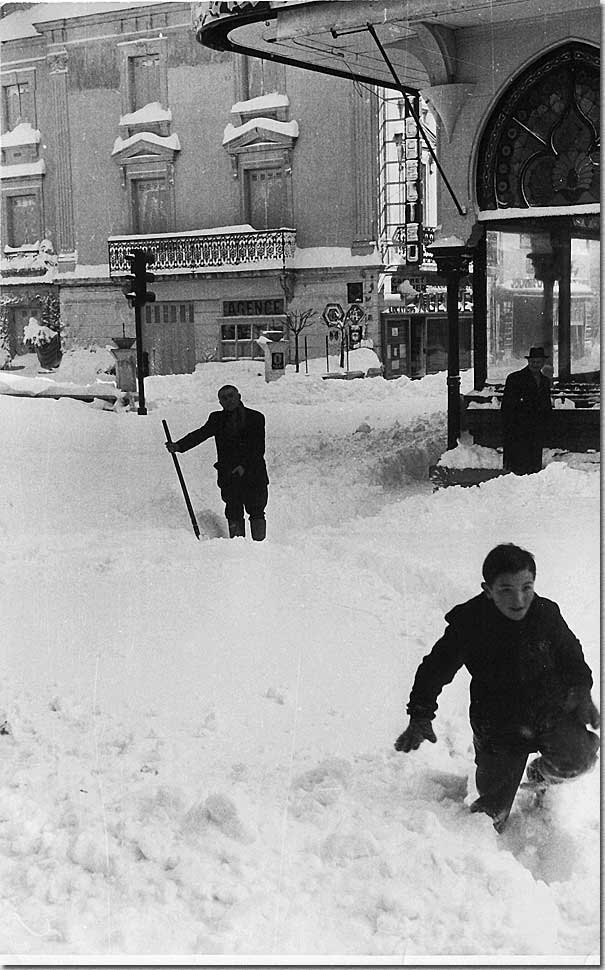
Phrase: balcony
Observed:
(204, 250)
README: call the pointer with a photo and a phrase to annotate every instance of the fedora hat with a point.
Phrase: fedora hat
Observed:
(536, 352)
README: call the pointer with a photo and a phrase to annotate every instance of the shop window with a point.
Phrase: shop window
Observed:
(354, 292)
(238, 340)
(23, 219)
(150, 205)
(527, 304)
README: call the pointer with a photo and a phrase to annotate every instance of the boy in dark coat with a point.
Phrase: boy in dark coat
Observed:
(530, 685)
(526, 407)
(239, 434)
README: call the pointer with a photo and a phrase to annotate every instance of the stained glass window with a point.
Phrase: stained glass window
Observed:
(541, 145)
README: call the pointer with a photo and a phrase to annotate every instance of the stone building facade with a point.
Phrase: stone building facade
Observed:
(515, 88)
(253, 184)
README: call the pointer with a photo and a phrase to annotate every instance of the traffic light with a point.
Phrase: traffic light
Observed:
(135, 285)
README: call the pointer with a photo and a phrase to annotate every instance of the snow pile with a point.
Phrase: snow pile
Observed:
(468, 455)
(201, 766)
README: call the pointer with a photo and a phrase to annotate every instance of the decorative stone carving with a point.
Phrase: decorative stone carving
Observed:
(57, 62)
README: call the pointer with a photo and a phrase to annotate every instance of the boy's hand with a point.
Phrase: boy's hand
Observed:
(172, 447)
(418, 730)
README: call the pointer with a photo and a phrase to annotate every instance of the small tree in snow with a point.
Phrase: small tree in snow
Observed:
(5, 350)
(296, 322)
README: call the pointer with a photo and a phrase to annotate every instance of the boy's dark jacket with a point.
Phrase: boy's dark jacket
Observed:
(521, 671)
(245, 447)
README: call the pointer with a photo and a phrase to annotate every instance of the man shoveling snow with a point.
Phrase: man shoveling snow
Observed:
(530, 685)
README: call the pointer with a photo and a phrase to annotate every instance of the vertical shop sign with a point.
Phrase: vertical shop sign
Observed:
(412, 172)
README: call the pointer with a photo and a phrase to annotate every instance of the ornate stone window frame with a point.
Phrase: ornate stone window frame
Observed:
(262, 148)
(147, 160)
(266, 161)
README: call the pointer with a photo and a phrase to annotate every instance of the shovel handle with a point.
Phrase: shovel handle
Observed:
(196, 527)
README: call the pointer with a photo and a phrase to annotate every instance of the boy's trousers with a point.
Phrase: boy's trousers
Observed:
(567, 749)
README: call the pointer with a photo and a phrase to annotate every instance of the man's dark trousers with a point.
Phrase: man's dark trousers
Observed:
(567, 750)
(238, 496)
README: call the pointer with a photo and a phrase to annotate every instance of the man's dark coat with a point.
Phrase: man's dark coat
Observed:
(521, 671)
(243, 445)
(526, 407)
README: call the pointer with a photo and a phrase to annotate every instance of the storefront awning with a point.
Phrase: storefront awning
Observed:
(332, 36)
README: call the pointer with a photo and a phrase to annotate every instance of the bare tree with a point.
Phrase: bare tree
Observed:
(296, 322)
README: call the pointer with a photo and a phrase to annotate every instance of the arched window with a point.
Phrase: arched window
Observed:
(541, 144)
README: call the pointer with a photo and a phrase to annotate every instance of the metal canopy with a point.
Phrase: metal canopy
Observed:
(332, 37)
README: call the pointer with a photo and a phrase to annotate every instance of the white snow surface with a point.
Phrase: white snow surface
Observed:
(201, 765)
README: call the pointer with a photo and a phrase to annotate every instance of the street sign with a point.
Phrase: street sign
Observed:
(333, 314)
(355, 314)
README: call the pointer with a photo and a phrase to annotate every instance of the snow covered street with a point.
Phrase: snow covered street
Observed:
(201, 761)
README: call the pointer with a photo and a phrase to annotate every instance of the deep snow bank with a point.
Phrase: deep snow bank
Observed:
(201, 760)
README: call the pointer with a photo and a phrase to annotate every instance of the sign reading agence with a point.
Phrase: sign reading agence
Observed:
(252, 308)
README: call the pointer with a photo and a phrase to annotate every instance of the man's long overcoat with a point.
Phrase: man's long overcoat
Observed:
(526, 409)
(245, 446)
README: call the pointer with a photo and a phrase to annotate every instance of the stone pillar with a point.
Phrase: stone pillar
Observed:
(364, 150)
(64, 213)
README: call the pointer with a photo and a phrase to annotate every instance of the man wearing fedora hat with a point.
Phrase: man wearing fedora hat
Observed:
(526, 407)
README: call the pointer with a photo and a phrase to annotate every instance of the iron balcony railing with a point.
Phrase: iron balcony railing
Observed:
(189, 252)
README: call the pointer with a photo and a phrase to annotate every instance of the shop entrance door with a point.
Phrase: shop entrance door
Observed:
(417, 346)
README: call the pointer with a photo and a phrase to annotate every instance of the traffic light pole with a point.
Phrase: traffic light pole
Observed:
(137, 294)
(139, 344)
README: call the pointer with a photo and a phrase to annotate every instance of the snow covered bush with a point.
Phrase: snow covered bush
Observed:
(36, 334)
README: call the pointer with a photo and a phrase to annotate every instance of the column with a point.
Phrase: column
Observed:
(64, 214)
(364, 149)
(480, 314)
(562, 249)
(453, 266)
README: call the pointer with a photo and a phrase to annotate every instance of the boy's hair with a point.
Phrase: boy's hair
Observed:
(507, 558)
